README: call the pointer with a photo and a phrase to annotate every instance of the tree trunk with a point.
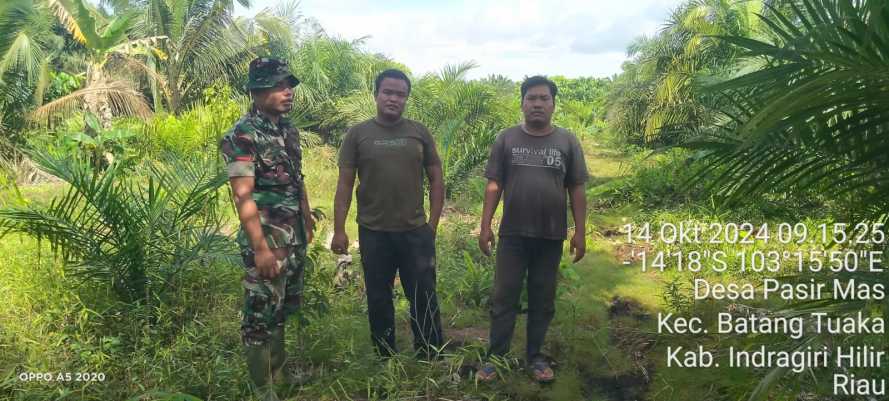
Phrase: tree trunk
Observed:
(96, 103)
(175, 90)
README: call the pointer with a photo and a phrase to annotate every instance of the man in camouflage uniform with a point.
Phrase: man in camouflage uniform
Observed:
(263, 157)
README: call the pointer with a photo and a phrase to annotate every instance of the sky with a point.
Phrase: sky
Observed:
(514, 38)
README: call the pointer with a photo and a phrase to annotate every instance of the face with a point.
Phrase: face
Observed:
(277, 100)
(391, 97)
(538, 105)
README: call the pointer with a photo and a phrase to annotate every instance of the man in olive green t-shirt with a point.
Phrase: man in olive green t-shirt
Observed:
(391, 155)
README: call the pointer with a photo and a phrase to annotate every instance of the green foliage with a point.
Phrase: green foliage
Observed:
(15, 101)
(24, 39)
(811, 116)
(62, 84)
(656, 99)
(658, 181)
(88, 30)
(120, 230)
(475, 285)
(111, 59)
(464, 116)
(676, 295)
(337, 84)
(467, 276)
(808, 117)
(581, 104)
(98, 146)
(196, 131)
(628, 103)
(164, 396)
(26, 48)
(320, 283)
(583, 89)
(200, 45)
(578, 117)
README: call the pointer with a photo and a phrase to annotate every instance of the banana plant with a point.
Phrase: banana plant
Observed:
(100, 146)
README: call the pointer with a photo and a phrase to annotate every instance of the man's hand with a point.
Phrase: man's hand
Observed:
(310, 227)
(266, 264)
(340, 242)
(486, 240)
(578, 245)
(492, 198)
(436, 195)
(434, 226)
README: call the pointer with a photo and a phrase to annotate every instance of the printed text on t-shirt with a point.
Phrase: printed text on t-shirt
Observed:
(390, 142)
(537, 157)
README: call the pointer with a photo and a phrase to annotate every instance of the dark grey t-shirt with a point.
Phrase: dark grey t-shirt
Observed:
(535, 173)
(391, 162)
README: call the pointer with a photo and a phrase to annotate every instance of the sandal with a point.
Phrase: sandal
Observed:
(542, 372)
(487, 373)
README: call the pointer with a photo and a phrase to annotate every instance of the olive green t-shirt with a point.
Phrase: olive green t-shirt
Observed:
(390, 161)
(534, 173)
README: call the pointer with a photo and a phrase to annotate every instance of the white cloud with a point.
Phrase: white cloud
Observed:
(514, 38)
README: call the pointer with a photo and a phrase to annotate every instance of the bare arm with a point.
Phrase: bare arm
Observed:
(307, 213)
(341, 202)
(248, 214)
(492, 198)
(578, 210)
(436, 194)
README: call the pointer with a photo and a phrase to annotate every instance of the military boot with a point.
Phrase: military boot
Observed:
(261, 368)
(279, 358)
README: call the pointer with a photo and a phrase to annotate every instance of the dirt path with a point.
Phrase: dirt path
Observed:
(627, 296)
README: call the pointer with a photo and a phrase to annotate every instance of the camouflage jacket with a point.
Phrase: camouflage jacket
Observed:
(256, 147)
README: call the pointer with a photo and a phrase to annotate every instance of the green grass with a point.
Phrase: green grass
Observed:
(50, 322)
(193, 346)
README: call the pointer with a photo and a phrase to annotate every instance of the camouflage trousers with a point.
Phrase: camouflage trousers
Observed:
(268, 303)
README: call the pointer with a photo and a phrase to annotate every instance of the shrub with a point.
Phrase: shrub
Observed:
(194, 131)
(132, 232)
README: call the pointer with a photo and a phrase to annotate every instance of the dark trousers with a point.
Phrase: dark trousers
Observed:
(516, 257)
(412, 255)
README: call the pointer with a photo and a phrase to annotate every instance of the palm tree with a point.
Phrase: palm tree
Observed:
(27, 46)
(465, 117)
(23, 38)
(336, 88)
(811, 112)
(201, 44)
(111, 57)
(808, 116)
(339, 76)
(662, 78)
(133, 234)
(278, 32)
(580, 103)
(628, 100)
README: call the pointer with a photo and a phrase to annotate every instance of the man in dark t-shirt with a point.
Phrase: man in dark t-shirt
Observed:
(536, 167)
(391, 155)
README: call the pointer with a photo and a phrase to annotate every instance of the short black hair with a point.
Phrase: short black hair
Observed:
(538, 80)
(394, 74)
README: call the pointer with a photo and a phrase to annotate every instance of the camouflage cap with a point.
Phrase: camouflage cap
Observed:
(267, 72)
